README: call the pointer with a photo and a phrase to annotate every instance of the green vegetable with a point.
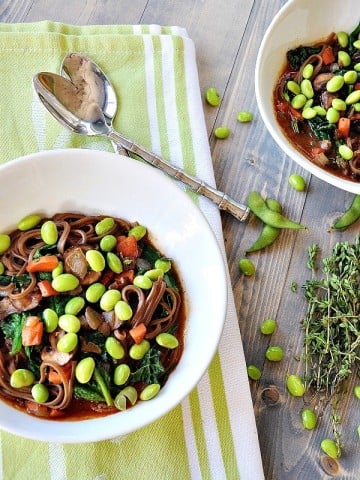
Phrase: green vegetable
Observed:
(268, 326)
(222, 132)
(67, 343)
(139, 231)
(96, 260)
(253, 372)
(109, 299)
(212, 96)
(274, 354)
(296, 57)
(357, 391)
(268, 233)
(40, 393)
(150, 391)
(331, 448)
(21, 378)
(5, 242)
(150, 368)
(29, 222)
(65, 282)
(104, 226)
(297, 182)
(309, 418)
(100, 380)
(247, 267)
(12, 329)
(138, 350)
(49, 232)
(85, 369)
(121, 374)
(167, 340)
(244, 117)
(114, 348)
(295, 385)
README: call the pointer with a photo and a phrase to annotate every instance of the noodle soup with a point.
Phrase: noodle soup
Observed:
(91, 316)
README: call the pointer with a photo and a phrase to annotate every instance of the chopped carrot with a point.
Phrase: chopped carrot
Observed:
(47, 263)
(295, 113)
(327, 55)
(138, 333)
(107, 277)
(317, 150)
(357, 86)
(55, 378)
(127, 246)
(282, 106)
(37, 409)
(56, 412)
(47, 289)
(32, 331)
(344, 126)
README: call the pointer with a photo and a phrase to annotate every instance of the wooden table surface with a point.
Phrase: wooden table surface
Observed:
(227, 36)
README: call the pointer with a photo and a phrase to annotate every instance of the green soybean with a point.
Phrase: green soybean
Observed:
(65, 282)
(335, 84)
(274, 353)
(121, 374)
(139, 231)
(49, 232)
(40, 393)
(67, 343)
(104, 226)
(307, 88)
(331, 448)
(74, 305)
(268, 234)
(94, 292)
(295, 385)
(339, 104)
(344, 59)
(5, 242)
(308, 113)
(259, 208)
(22, 378)
(150, 391)
(297, 182)
(69, 323)
(154, 274)
(244, 117)
(351, 215)
(126, 394)
(58, 270)
(212, 96)
(345, 152)
(222, 132)
(114, 262)
(268, 326)
(353, 97)
(163, 263)
(108, 243)
(114, 348)
(253, 372)
(298, 101)
(350, 77)
(51, 320)
(319, 110)
(357, 391)
(138, 350)
(2, 268)
(96, 260)
(358, 431)
(343, 39)
(109, 299)
(332, 115)
(29, 222)
(123, 310)
(309, 418)
(143, 282)
(247, 267)
(308, 71)
(84, 369)
(356, 44)
(293, 87)
(167, 340)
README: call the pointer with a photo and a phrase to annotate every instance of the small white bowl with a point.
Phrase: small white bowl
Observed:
(93, 182)
(299, 22)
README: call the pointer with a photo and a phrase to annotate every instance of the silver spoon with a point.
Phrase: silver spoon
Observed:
(80, 106)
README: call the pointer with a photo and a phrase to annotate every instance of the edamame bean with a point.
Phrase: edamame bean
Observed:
(150, 391)
(299, 101)
(94, 292)
(343, 39)
(109, 299)
(96, 260)
(154, 274)
(244, 117)
(222, 132)
(114, 262)
(65, 282)
(69, 323)
(126, 394)
(49, 232)
(247, 267)
(163, 263)
(357, 67)
(51, 320)
(335, 84)
(123, 311)
(308, 104)
(58, 270)
(2, 268)
(345, 152)
(351, 215)
(74, 305)
(350, 77)
(268, 233)
(142, 282)
(331, 448)
(138, 350)
(108, 243)
(344, 59)
(29, 222)
(356, 44)
(309, 418)
(295, 385)
(309, 113)
(332, 115)
(268, 326)
(307, 88)
(358, 431)
(114, 348)
(353, 97)
(274, 354)
(167, 340)
(40, 393)
(297, 182)
(104, 226)
(293, 87)
(212, 97)
(85, 369)
(5, 242)
(121, 374)
(308, 71)
(319, 110)
(139, 231)
(253, 372)
(339, 104)
(357, 391)
(357, 107)
(67, 343)
(22, 378)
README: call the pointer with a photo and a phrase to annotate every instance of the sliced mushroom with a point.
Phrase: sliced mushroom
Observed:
(320, 81)
(75, 262)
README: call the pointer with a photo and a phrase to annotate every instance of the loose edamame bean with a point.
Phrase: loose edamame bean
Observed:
(293, 87)
(295, 385)
(268, 233)
(319, 110)
(74, 305)
(142, 282)
(345, 152)
(335, 84)
(212, 97)
(307, 88)
(123, 311)
(308, 71)
(339, 104)
(49, 232)
(268, 326)
(121, 374)
(28, 222)
(274, 354)
(244, 117)
(2, 268)
(350, 77)
(114, 262)
(22, 378)
(343, 39)
(163, 263)
(357, 67)
(308, 113)
(65, 282)
(109, 299)
(356, 44)
(253, 372)
(353, 97)
(96, 260)
(297, 182)
(150, 391)
(85, 369)
(58, 270)
(247, 267)
(332, 115)
(222, 132)
(139, 231)
(94, 292)
(69, 323)
(351, 215)
(154, 274)
(67, 343)
(108, 243)
(167, 340)
(126, 394)
(344, 59)
(331, 448)
(51, 320)
(138, 350)
(40, 393)
(5, 242)
(104, 226)
(114, 348)
(298, 101)
(259, 208)
(309, 418)
(357, 391)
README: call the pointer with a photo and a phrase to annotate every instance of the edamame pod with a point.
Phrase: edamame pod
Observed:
(350, 216)
(268, 233)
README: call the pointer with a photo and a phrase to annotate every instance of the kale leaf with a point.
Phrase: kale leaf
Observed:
(18, 280)
(297, 56)
(150, 368)
(12, 328)
(321, 128)
(354, 35)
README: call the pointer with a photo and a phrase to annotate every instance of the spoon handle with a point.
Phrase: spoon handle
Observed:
(221, 199)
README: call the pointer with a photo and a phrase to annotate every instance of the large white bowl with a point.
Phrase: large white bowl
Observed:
(299, 22)
(93, 182)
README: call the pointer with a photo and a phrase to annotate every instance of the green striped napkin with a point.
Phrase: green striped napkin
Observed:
(212, 434)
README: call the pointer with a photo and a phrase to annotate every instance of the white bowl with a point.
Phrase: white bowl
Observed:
(299, 22)
(93, 182)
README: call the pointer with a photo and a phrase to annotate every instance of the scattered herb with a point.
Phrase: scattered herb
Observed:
(313, 251)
